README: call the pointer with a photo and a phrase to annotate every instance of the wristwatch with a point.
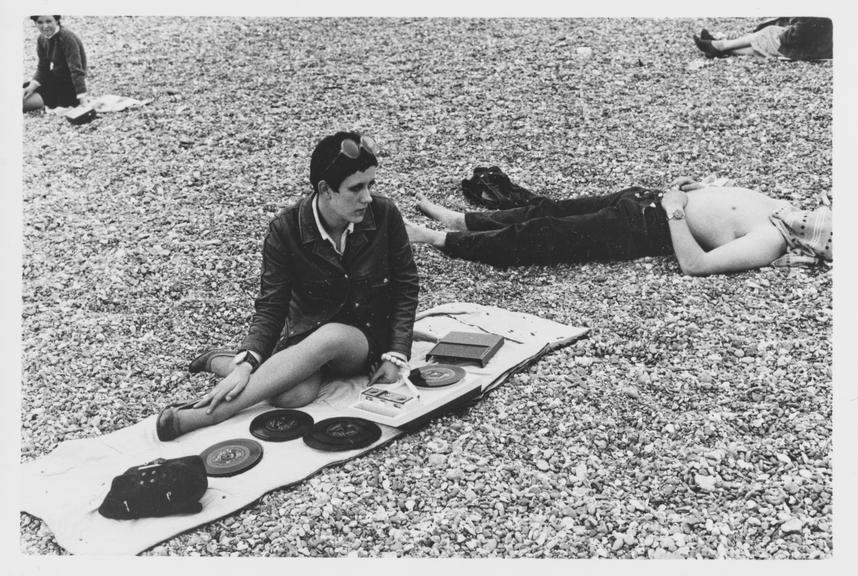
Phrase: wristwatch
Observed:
(246, 356)
(677, 214)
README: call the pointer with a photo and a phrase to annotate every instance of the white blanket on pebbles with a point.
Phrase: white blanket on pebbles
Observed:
(104, 103)
(66, 487)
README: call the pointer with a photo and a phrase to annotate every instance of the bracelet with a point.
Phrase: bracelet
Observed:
(395, 360)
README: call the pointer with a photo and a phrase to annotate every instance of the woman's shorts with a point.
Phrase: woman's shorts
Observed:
(373, 354)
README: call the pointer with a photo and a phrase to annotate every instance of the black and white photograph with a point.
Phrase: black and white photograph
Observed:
(364, 282)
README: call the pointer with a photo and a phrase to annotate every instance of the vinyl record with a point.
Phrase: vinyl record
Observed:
(436, 375)
(281, 425)
(231, 457)
(342, 433)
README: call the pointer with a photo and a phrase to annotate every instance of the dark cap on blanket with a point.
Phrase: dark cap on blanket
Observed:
(159, 488)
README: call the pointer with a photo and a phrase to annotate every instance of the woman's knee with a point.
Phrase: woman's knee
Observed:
(299, 395)
(337, 339)
(296, 397)
(33, 102)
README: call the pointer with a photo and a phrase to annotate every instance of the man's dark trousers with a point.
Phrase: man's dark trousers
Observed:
(620, 226)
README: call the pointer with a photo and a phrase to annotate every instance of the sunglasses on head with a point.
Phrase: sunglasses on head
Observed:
(351, 149)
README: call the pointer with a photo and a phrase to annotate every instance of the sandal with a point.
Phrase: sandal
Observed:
(203, 362)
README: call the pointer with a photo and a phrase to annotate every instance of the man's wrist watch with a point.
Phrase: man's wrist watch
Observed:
(246, 356)
(676, 214)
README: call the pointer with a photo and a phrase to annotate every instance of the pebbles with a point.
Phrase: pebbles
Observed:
(693, 422)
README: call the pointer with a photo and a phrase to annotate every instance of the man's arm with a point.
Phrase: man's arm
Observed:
(758, 248)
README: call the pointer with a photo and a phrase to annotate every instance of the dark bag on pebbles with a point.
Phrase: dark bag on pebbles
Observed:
(492, 189)
(159, 488)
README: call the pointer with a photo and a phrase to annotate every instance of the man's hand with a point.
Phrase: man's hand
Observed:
(387, 373)
(83, 99)
(673, 199)
(228, 388)
(686, 183)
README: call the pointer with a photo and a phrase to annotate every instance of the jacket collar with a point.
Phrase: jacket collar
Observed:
(309, 232)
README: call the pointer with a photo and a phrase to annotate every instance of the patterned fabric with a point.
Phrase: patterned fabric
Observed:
(768, 41)
(808, 235)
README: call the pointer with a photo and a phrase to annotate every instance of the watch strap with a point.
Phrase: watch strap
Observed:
(249, 357)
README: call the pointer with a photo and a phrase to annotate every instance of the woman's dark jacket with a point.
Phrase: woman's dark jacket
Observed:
(305, 283)
(62, 60)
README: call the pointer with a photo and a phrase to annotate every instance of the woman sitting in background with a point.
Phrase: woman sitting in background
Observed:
(60, 78)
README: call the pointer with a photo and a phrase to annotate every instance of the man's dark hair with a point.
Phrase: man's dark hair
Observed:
(36, 18)
(329, 165)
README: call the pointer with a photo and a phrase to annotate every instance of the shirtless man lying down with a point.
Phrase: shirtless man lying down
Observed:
(710, 229)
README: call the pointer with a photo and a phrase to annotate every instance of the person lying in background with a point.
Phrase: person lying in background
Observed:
(799, 38)
(710, 229)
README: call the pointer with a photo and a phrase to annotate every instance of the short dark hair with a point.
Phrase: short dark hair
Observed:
(326, 152)
(36, 18)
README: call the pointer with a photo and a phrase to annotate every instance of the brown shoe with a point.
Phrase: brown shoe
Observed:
(203, 362)
(167, 424)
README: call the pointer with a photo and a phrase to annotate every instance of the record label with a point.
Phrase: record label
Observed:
(436, 375)
(342, 433)
(281, 425)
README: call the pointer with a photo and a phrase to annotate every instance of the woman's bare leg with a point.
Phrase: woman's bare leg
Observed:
(344, 348)
(729, 45)
(748, 51)
(221, 365)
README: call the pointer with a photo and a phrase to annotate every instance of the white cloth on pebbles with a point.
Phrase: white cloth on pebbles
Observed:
(65, 487)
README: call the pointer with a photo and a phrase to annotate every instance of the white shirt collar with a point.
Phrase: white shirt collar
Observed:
(324, 233)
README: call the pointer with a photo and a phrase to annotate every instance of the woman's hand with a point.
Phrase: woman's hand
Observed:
(387, 373)
(30, 89)
(228, 388)
(83, 100)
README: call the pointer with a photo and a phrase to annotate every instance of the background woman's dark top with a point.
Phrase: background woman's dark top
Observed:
(62, 68)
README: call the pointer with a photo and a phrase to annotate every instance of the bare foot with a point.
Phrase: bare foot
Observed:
(449, 218)
(422, 235)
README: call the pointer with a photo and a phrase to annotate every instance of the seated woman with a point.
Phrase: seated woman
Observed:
(60, 78)
(800, 38)
(338, 296)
